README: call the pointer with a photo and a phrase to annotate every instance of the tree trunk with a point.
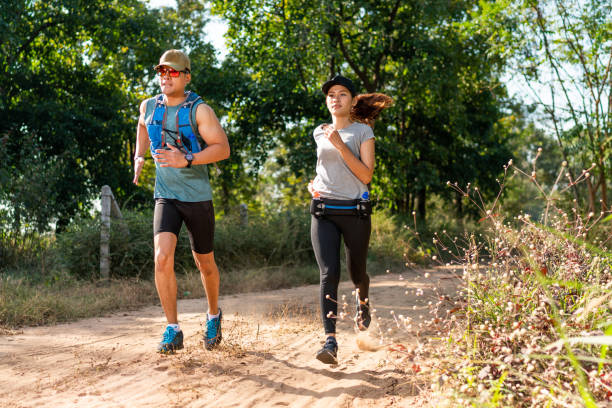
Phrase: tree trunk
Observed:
(422, 197)
(226, 197)
(591, 194)
(604, 194)
(459, 204)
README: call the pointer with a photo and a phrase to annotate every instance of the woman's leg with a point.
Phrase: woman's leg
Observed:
(356, 233)
(325, 238)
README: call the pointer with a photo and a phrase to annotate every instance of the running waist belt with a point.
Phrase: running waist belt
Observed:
(326, 206)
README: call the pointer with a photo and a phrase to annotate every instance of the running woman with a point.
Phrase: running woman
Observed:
(184, 135)
(340, 206)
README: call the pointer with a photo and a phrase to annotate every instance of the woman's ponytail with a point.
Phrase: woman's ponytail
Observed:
(368, 107)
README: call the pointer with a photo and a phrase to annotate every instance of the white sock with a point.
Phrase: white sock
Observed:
(175, 327)
(210, 317)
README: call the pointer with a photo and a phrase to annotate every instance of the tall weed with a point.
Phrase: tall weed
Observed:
(532, 325)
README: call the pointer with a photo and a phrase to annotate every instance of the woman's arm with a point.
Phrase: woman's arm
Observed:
(362, 169)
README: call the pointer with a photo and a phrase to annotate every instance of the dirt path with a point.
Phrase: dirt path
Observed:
(265, 360)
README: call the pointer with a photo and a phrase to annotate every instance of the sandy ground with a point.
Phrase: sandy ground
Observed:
(266, 358)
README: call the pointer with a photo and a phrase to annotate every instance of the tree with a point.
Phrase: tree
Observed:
(426, 55)
(73, 74)
(563, 53)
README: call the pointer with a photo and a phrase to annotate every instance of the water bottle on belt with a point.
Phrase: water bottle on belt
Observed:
(364, 206)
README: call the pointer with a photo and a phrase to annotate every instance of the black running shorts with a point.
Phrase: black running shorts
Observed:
(199, 218)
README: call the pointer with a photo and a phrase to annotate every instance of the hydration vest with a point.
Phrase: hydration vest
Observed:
(186, 135)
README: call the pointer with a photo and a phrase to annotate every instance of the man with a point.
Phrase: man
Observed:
(184, 135)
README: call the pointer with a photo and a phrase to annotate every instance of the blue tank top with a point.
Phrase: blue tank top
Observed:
(183, 184)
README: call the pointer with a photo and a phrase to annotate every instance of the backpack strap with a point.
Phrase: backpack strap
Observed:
(159, 116)
(159, 112)
(191, 102)
(186, 115)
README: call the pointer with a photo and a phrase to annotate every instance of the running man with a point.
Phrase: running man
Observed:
(184, 135)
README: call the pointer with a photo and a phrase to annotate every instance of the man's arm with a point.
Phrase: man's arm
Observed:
(142, 142)
(210, 129)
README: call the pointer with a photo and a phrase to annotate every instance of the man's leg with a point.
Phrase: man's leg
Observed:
(209, 273)
(200, 222)
(165, 279)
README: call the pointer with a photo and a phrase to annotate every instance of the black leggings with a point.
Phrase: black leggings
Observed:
(325, 234)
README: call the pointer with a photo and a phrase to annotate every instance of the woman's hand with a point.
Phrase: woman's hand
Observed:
(363, 166)
(314, 193)
(333, 136)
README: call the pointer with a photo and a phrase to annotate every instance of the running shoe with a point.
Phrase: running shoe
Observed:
(212, 336)
(172, 340)
(329, 353)
(363, 316)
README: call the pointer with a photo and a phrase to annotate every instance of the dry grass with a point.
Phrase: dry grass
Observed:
(531, 326)
(22, 303)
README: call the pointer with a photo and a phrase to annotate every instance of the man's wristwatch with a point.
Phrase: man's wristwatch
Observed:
(189, 158)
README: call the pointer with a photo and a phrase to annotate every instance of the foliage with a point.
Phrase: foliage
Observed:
(73, 73)
(442, 124)
(560, 51)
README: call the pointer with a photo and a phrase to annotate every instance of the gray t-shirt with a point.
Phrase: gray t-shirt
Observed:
(334, 178)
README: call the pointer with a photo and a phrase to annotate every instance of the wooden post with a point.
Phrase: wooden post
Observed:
(106, 199)
(244, 215)
(109, 207)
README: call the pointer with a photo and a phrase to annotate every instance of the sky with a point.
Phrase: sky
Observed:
(215, 29)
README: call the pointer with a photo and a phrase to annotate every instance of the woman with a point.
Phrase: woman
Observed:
(340, 205)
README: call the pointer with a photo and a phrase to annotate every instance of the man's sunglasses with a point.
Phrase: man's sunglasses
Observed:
(169, 71)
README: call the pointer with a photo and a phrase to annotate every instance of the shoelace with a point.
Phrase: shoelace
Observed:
(330, 344)
(211, 328)
(169, 335)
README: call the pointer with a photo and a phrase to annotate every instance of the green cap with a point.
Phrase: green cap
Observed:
(175, 59)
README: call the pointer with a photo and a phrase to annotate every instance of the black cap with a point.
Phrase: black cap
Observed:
(339, 80)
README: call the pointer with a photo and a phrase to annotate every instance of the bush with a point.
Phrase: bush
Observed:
(532, 322)
(275, 240)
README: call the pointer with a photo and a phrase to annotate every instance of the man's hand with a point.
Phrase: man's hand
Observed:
(138, 164)
(170, 158)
